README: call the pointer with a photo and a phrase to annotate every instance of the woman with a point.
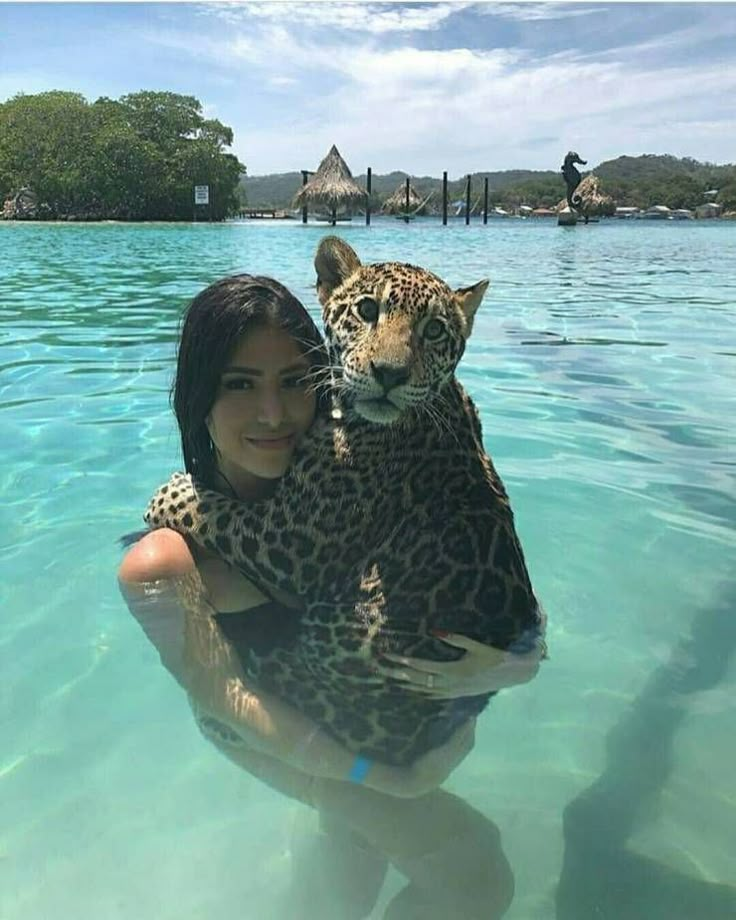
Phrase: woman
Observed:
(249, 383)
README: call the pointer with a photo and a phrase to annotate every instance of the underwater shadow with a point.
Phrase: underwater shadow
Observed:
(603, 880)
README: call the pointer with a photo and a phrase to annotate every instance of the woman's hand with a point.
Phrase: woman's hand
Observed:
(482, 669)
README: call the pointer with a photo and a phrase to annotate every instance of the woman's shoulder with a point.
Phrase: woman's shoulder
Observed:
(158, 555)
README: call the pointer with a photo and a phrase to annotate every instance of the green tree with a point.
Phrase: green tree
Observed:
(541, 192)
(43, 145)
(727, 195)
(136, 158)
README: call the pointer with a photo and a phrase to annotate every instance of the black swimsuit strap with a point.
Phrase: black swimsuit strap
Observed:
(260, 629)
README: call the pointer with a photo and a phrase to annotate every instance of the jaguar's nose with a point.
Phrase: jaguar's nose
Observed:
(388, 374)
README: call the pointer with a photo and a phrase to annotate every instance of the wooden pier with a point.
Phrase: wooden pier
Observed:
(467, 204)
(265, 213)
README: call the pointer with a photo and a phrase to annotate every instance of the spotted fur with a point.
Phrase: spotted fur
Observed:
(391, 522)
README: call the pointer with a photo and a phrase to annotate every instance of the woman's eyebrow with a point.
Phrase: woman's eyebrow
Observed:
(240, 369)
(258, 372)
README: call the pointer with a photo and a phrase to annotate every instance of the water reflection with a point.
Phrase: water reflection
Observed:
(602, 877)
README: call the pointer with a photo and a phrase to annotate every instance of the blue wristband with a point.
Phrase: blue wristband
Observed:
(359, 770)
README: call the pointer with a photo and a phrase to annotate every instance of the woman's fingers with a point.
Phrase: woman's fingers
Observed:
(478, 654)
(416, 664)
(456, 639)
(483, 669)
(424, 682)
(407, 675)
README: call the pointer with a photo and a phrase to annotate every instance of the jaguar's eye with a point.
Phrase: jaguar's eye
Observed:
(367, 310)
(434, 330)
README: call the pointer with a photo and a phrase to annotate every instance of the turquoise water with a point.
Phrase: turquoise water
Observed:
(604, 365)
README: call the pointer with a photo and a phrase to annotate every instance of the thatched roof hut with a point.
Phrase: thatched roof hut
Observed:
(397, 203)
(595, 202)
(332, 187)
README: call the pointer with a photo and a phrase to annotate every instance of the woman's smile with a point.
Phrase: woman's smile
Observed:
(285, 442)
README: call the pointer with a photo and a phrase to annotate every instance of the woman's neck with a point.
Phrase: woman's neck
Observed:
(243, 485)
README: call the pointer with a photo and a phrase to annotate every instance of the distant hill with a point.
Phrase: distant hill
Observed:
(655, 166)
(277, 190)
(662, 179)
(648, 166)
(640, 181)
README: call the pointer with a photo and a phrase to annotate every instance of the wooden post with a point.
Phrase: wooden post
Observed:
(485, 201)
(444, 199)
(467, 202)
(406, 210)
(305, 179)
(334, 215)
(368, 178)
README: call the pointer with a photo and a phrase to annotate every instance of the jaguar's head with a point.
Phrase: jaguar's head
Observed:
(396, 331)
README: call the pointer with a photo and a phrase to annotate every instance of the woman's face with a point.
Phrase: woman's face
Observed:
(263, 406)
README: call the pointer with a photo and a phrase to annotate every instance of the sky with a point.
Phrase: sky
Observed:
(419, 87)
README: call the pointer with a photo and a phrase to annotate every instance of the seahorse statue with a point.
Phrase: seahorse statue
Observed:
(572, 178)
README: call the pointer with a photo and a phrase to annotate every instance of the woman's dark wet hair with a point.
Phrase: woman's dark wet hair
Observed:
(214, 323)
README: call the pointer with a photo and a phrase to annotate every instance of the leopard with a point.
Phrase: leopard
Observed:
(391, 524)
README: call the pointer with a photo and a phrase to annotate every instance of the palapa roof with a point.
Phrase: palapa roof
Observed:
(396, 203)
(332, 186)
(595, 202)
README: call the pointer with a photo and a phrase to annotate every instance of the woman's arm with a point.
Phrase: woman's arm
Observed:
(164, 591)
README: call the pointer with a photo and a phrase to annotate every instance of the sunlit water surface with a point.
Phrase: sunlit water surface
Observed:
(603, 363)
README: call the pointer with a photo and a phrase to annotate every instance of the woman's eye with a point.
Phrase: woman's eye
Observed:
(367, 310)
(434, 330)
(237, 383)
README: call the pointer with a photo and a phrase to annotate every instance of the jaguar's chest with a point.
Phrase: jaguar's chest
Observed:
(363, 476)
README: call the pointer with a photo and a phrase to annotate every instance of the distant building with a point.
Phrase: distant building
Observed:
(708, 210)
(626, 212)
(656, 212)
(711, 193)
(682, 214)
(543, 212)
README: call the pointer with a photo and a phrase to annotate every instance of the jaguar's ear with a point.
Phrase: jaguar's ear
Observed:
(334, 263)
(469, 299)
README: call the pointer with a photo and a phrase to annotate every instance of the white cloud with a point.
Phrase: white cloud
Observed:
(534, 12)
(375, 18)
(685, 40)
(463, 111)
(428, 109)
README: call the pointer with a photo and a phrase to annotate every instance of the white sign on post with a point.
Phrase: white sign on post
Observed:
(201, 194)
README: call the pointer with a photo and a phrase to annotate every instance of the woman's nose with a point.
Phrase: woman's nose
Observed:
(271, 409)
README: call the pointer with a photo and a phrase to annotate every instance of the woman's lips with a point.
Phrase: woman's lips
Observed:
(272, 443)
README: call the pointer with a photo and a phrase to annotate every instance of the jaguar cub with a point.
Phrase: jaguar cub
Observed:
(390, 523)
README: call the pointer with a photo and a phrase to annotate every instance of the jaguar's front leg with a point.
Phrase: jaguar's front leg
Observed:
(238, 533)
